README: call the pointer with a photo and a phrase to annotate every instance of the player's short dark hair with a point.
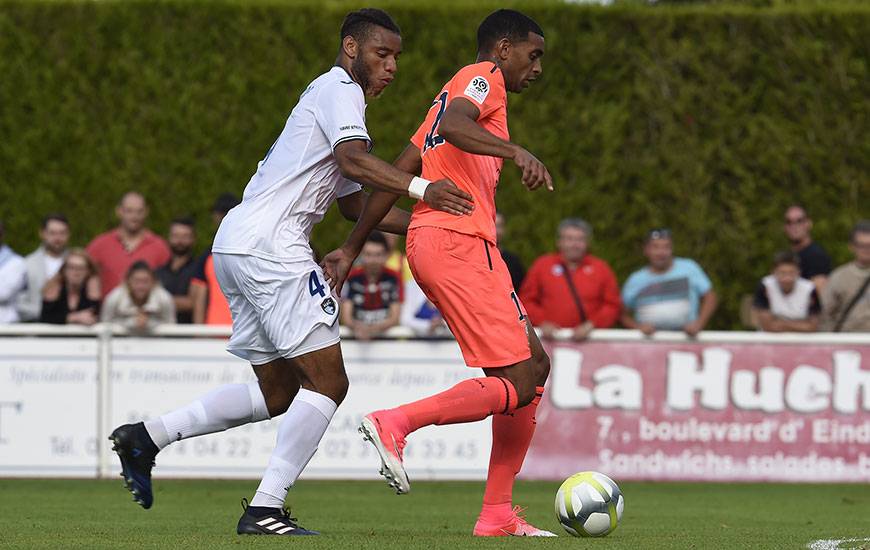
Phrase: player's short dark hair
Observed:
(184, 220)
(510, 24)
(378, 238)
(359, 23)
(139, 265)
(863, 226)
(54, 217)
(786, 257)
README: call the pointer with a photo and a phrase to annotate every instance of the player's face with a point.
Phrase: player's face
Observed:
(181, 239)
(572, 244)
(377, 61)
(786, 275)
(660, 253)
(55, 236)
(523, 64)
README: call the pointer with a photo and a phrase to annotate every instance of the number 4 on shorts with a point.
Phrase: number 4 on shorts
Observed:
(314, 286)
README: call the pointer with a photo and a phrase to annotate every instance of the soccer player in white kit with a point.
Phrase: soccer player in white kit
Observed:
(284, 313)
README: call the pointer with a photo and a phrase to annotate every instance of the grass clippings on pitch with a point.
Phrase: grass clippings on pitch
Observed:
(365, 514)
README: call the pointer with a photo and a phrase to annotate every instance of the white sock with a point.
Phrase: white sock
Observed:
(299, 433)
(224, 407)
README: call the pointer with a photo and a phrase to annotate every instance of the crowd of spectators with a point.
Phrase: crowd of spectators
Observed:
(133, 277)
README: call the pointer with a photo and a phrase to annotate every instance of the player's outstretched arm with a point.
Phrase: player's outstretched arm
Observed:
(358, 165)
(460, 128)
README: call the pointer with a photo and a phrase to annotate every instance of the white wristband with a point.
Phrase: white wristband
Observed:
(417, 188)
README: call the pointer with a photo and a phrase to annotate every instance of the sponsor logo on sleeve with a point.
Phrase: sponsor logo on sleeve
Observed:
(477, 89)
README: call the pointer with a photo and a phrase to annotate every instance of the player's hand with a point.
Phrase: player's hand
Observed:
(336, 266)
(445, 196)
(535, 174)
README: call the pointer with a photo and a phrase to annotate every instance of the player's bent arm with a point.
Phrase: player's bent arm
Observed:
(355, 163)
(460, 128)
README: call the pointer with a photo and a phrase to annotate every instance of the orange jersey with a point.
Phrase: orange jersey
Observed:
(483, 85)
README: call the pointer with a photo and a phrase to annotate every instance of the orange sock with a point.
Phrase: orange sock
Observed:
(467, 401)
(511, 435)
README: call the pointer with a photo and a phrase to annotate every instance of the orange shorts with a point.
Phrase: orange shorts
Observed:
(466, 279)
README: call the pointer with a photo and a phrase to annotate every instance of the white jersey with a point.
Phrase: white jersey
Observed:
(298, 179)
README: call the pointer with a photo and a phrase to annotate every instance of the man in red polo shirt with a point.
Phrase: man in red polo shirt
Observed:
(116, 250)
(571, 288)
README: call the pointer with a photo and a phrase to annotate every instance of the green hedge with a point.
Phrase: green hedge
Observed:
(706, 119)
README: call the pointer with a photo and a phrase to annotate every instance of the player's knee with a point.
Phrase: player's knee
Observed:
(525, 393)
(334, 387)
(339, 390)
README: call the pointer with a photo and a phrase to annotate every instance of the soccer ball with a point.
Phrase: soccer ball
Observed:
(589, 504)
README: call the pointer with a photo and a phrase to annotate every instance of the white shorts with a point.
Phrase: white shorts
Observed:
(279, 309)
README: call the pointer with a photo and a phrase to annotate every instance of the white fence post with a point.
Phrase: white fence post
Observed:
(104, 398)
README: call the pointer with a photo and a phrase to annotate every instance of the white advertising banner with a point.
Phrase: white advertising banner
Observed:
(150, 377)
(48, 407)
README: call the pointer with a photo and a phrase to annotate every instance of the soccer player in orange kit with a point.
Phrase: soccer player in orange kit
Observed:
(455, 261)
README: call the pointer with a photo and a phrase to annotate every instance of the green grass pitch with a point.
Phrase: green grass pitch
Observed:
(365, 514)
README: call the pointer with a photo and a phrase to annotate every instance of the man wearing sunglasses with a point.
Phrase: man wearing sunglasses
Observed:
(815, 261)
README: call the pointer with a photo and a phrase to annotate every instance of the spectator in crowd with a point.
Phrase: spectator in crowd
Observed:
(176, 275)
(514, 263)
(373, 293)
(815, 261)
(846, 297)
(210, 307)
(72, 295)
(13, 279)
(140, 303)
(784, 301)
(571, 288)
(670, 293)
(116, 250)
(419, 314)
(43, 264)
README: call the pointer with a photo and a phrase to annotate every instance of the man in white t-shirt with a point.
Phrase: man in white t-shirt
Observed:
(43, 264)
(784, 301)
(284, 312)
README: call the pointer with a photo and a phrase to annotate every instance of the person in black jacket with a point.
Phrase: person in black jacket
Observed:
(73, 295)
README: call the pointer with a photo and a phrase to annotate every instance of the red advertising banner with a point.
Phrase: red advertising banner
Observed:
(703, 411)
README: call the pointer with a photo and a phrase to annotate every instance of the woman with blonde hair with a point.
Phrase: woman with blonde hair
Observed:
(72, 296)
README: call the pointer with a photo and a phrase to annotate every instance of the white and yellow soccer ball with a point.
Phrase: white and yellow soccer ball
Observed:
(589, 504)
